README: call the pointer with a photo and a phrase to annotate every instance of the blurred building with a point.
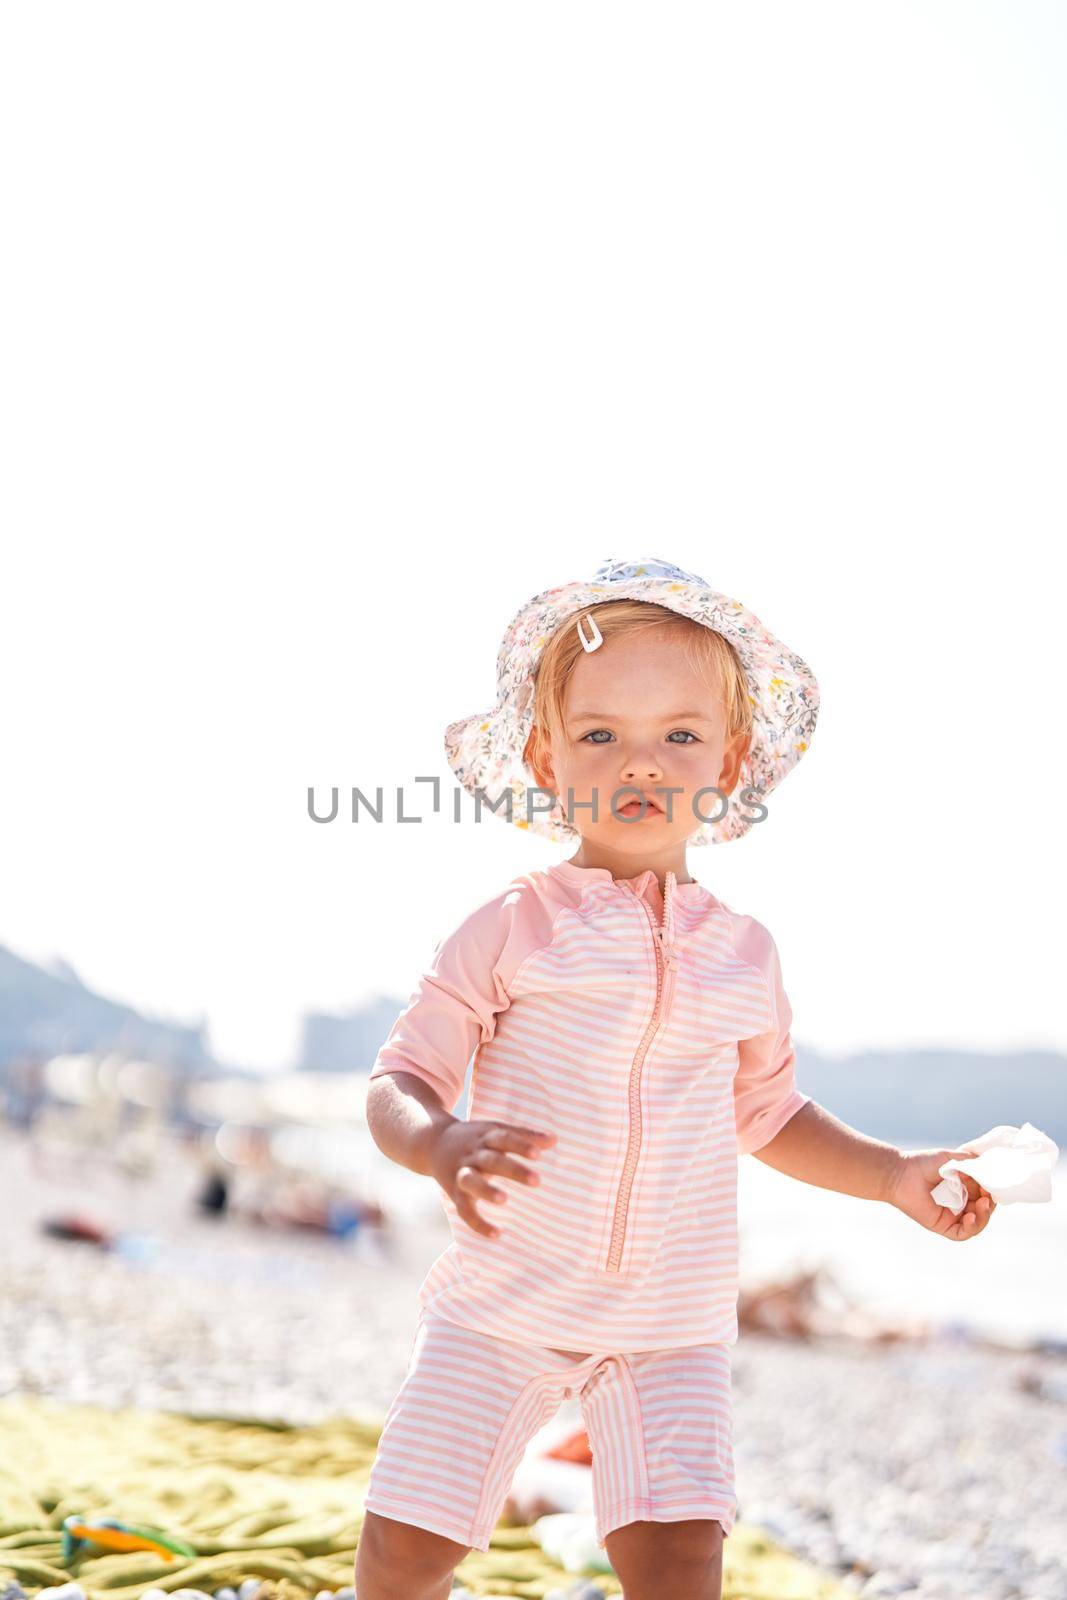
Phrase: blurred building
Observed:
(348, 1042)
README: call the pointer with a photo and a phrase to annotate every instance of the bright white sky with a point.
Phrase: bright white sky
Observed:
(333, 334)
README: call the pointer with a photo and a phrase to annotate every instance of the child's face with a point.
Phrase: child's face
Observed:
(636, 714)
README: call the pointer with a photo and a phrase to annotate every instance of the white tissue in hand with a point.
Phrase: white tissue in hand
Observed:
(1010, 1163)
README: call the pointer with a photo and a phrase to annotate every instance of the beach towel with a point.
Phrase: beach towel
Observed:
(256, 1500)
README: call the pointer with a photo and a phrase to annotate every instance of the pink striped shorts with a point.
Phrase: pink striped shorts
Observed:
(660, 1426)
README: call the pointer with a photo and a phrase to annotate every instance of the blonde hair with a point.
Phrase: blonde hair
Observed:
(707, 651)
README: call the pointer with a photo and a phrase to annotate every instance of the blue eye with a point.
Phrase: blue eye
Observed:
(688, 737)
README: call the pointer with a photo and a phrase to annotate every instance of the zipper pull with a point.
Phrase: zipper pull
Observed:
(667, 950)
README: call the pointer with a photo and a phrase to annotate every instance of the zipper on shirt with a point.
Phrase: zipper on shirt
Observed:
(663, 945)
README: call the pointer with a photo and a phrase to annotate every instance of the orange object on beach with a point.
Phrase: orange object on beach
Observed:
(574, 1448)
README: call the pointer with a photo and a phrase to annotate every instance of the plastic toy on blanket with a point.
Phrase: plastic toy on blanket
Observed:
(111, 1534)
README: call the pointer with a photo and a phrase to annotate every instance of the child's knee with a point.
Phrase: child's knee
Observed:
(399, 1557)
(653, 1558)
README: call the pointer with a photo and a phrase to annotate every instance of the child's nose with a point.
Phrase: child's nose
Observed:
(641, 766)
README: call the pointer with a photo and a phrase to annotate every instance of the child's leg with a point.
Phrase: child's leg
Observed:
(453, 1437)
(660, 1426)
(654, 1559)
(397, 1558)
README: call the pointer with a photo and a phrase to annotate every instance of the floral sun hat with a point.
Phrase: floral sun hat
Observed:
(485, 751)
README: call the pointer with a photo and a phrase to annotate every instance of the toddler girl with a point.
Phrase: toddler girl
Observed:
(631, 1037)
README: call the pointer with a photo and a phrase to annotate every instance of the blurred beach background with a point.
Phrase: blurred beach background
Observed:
(223, 1245)
(169, 1166)
(334, 335)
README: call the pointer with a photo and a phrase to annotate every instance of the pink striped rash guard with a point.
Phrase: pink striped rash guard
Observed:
(650, 1033)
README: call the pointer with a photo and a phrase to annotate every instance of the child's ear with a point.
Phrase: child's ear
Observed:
(546, 778)
(538, 758)
(733, 755)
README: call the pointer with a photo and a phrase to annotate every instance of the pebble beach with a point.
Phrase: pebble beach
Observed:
(919, 1468)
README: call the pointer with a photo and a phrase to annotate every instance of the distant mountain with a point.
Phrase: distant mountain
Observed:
(904, 1097)
(49, 1011)
(941, 1097)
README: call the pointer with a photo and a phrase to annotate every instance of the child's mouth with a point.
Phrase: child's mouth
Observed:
(634, 808)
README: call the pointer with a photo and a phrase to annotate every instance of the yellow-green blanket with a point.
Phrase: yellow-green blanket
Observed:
(256, 1500)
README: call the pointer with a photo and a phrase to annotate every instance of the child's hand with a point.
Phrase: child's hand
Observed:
(910, 1191)
(464, 1151)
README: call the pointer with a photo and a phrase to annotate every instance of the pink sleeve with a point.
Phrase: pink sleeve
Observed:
(455, 1005)
(765, 1091)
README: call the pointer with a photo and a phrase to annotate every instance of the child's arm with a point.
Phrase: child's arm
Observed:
(419, 1071)
(789, 1131)
(816, 1148)
(405, 1118)
(766, 1097)
(409, 1124)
